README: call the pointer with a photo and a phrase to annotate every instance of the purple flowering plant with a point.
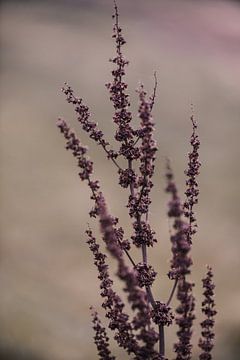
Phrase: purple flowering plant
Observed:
(141, 335)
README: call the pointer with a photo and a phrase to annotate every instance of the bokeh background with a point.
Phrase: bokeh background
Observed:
(47, 277)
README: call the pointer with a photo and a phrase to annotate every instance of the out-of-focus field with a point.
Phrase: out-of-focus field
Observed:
(47, 277)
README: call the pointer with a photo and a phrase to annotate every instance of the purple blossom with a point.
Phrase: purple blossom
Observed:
(118, 320)
(181, 260)
(101, 339)
(148, 146)
(208, 309)
(184, 320)
(122, 116)
(139, 203)
(90, 127)
(185, 310)
(181, 267)
(78, 150)
(111, 236)
(192, 191)
(136, 297)
(142, 320)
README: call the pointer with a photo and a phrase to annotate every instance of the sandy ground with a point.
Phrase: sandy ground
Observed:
(47, 277)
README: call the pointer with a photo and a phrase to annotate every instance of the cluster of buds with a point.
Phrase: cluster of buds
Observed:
(127, 177)
(145, 274)
(78, 150)
(162, 314)
(83, 115)
(101, 339)
(144, 235)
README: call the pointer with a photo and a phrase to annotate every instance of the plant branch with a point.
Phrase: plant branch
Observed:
(172, 292)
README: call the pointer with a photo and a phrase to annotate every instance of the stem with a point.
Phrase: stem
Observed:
(148, 288)
(131, 184)
(150, 296)
(107, 152)
(172, 292)
(128, 255)
(161, 340)
(154, 90)
(144, 253)
(136, 141)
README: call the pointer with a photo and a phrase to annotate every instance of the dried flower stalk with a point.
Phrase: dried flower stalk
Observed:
(139, 334)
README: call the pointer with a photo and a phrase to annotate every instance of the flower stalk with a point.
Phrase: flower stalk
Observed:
(142, 333)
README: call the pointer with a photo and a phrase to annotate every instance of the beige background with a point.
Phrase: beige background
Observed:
(47, 277)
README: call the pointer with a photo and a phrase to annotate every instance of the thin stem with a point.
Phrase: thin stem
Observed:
(131, 184)
(172, 292)
(144, 253)
(128, 255)
(154, 91)
(161, 340)
(117, 28)
(109, 156)
(138, 138)
(142, 189)
(150, 296)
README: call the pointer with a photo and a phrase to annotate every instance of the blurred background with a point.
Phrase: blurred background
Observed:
(47, 279)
